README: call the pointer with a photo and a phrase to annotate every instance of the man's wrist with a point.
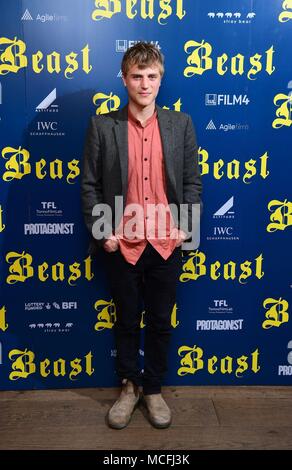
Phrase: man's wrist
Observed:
(182, 234)
(112, 237)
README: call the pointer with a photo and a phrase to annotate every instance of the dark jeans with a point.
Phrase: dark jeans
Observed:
(154, 280)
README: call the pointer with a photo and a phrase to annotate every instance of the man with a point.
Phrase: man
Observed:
(148, 156)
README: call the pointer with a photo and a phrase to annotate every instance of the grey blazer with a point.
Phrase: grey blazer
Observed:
(105, 163)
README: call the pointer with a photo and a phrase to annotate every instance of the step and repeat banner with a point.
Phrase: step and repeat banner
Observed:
(228, 65)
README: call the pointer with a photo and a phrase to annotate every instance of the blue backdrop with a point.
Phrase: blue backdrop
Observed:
(228, 64)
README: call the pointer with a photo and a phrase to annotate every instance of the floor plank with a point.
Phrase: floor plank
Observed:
(203, 418)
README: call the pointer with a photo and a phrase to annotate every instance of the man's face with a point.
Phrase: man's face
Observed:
(143, 84)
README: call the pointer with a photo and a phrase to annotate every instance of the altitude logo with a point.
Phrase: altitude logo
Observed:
(224, 232)
(225, 211)
(48, 128)
(47, 104)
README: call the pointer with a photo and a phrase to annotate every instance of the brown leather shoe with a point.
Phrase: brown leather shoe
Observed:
(158, 412)
(121, 412)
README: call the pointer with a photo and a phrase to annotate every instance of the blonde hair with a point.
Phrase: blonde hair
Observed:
(143, 54)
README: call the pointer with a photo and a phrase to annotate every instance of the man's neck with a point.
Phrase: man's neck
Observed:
(142, 114)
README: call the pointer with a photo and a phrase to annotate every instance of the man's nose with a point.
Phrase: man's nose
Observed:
(145, 82)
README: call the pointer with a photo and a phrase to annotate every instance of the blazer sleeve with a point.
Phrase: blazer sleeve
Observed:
(192, 180)
(91, 178)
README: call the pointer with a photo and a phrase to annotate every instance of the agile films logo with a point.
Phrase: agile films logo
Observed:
(226, 127)
(43, 17)
(154, 222)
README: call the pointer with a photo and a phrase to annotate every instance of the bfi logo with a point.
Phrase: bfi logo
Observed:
(69, 305)
(220, 303)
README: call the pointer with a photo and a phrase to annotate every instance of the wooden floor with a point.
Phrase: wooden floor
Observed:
(203, 418)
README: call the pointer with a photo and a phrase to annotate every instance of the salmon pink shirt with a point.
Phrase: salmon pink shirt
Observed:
(146, 186)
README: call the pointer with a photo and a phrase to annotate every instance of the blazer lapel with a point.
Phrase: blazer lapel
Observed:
(121, 133)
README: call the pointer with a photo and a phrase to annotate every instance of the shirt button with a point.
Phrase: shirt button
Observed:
(145, 139)
(146, 217)
(145, 178)
(146, 198)
(145, 159)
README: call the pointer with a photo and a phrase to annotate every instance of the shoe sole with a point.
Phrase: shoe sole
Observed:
(154, 423)
(158, 425)
(113, 426)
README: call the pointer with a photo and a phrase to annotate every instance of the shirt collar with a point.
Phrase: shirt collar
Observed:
(135, 121)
